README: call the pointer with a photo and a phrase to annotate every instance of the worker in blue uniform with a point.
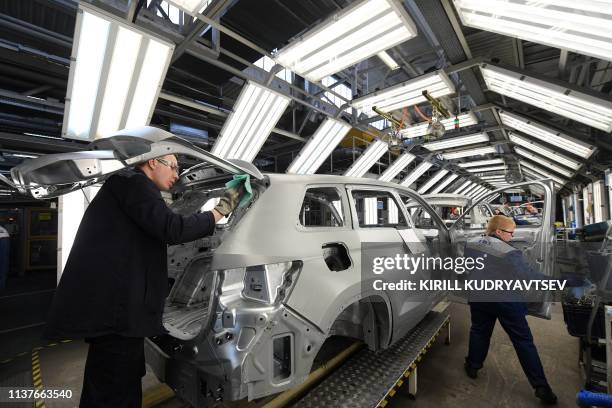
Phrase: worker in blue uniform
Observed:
(503, 261)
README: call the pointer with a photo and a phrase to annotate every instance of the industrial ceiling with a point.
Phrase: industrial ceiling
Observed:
(215, 55)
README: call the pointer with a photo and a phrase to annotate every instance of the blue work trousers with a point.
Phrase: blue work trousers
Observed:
(512, 318)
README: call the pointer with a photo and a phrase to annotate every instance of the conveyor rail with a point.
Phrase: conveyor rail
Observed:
(369, 379)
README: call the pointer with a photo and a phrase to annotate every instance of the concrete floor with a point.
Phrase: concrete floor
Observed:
(441, 381)
(501, 383)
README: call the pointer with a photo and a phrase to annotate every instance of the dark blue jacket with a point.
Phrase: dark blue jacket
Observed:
(116, 278)
(501, 262)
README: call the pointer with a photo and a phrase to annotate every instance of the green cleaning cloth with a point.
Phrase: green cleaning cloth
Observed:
(248, 191)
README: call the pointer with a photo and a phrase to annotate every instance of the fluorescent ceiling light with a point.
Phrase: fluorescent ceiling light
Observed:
(575, 105)
(457, 141)
(546, 134)
(420, 129)
(319, 147)
(499, 177)
(191, 6)
(469, 190)
(246, 129)
(493, 197)
(444, 183)
(115, 76)
(406, 93)
(538, 171)
(397, 166)
(547, 164)
(469, 152)
(433, 180)
(367, 159)
(549, 153)
(479, 192)
(582, 27)
(462, 187)
(482, 194)
(480, 163)
(386, 58)
(486, 169)
(530, 176)
(416, 173)
(370, 209)
(352, 35)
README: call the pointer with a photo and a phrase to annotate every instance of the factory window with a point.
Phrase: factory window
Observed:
(266, 63)
(322, 207)
(175, 15)
(381, 124)
(340, 89)
(377, 209)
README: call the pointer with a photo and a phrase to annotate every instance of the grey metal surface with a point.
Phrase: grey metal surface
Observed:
(365, 379)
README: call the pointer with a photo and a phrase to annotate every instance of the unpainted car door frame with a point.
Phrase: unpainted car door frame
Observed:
(541, 254)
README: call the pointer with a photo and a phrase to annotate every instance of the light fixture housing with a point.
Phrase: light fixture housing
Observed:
(397, 166)
(497, 177)
(449, 179)
(531, 175)
(406, 93)
(485, 169)
(457, 141)
(546, 163)
(416, 173)
(420, 129)
(572, 104)
(479, 151)
(387, 59)
(582, 27)
(255, 113)
(547, 134)
(319, 147)
(478, 192)
(538, 171)
(370, 209)
(463, 187)
(115, 77)
(481, 195)
(468, 192)
(432, 180)
(480, 163)
(352, 35)
(548, 153)
(367, 159)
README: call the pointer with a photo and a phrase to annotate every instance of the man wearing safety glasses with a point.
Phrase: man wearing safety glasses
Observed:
(115, 282)
(503, 261)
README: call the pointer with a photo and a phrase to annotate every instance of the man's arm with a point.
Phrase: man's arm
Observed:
(143, 203)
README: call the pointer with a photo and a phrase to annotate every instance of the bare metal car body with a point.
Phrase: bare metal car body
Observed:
(442, 203)
(251, 305)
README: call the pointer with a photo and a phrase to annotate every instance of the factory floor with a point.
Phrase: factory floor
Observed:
(441, 379)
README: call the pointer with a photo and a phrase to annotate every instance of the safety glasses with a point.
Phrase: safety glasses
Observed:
(173, 167)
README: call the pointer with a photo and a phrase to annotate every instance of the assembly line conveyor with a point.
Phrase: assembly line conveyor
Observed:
(369, 379)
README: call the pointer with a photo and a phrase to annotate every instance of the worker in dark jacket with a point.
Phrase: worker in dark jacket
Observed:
(502, 261)
(114, 285)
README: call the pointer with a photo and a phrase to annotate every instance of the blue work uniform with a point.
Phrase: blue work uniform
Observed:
(502, 262)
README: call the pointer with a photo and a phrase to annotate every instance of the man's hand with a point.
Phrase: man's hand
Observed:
(229, 201)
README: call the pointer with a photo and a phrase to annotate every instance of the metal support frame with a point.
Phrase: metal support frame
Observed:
(215, 12)
(134, 7)
(457, 28)
(563, 63)
(30, 29)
